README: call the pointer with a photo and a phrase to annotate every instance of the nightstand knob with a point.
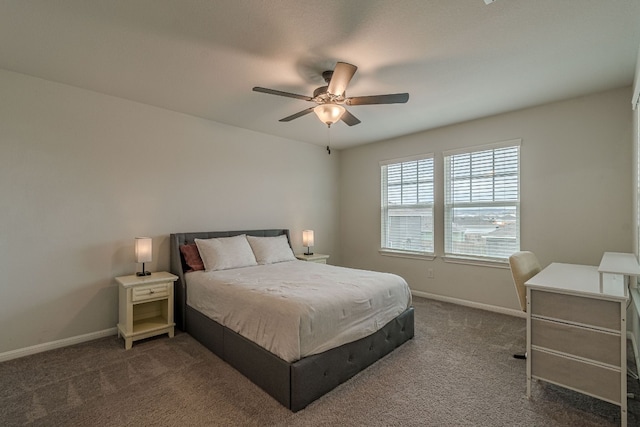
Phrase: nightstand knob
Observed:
(151, 291)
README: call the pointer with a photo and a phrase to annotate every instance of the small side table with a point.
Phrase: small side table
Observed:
(317, 258)
(145, 306)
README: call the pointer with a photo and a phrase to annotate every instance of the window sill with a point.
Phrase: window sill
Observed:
(476, 261)
(412, 255)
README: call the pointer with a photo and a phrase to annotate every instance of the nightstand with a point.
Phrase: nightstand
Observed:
(317, 258)
(146, 306)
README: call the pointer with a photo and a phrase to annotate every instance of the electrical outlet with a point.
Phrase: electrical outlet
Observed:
(430, 273)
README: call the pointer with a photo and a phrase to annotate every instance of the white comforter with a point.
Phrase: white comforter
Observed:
(296, 308)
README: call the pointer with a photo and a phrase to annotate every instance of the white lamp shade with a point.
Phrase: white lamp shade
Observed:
(143, 249)
(329, 113)
(307, 238)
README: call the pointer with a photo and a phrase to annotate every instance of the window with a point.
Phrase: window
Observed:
(482, 202)
(407, 205)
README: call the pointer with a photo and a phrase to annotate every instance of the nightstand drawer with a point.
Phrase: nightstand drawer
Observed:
(144, 293)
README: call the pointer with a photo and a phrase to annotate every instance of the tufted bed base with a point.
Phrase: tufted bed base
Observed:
(295, 385)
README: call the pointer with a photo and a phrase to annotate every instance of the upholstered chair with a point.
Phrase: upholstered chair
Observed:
(524, 265)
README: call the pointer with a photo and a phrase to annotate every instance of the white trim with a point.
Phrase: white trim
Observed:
(406, 254)
(406, 159)
(484, 147)
(480, 262)
(487, 307)
(39, 348)
(635, 98)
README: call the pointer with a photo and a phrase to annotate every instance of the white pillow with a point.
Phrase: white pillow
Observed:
(269, 250)
(223, 253)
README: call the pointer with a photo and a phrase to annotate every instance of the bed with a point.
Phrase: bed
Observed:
(294, 380)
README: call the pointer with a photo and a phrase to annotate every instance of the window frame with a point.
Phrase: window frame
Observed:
(385, 249)
(449, 254)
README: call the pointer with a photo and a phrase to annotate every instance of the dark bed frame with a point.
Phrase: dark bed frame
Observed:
(297, 384)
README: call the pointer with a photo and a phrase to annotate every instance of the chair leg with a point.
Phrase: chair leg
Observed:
(520, 355)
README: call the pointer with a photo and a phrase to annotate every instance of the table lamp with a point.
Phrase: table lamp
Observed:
(307, 240)
(143, 253)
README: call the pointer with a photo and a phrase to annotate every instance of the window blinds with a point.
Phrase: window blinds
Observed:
(407, 205)
(482, 201)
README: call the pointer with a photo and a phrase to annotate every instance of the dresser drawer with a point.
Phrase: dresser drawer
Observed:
(587, 343)
(598, 381)
(587, 311)
(149, 292)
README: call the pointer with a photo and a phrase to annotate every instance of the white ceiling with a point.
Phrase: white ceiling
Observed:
(458, 59)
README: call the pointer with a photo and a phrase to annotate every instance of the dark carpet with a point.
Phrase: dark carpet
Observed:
(457, 371)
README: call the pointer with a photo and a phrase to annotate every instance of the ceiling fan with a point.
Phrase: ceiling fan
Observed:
(331, 98)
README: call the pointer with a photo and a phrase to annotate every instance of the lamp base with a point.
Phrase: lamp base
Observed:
(143, 272)
(308, 253)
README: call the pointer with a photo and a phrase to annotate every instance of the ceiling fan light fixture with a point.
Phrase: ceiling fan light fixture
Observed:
(329, 113)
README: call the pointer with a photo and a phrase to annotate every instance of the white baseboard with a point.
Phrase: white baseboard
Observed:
(39, 348)
(494, 308)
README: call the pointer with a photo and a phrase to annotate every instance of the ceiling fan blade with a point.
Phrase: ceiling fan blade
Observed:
(394, 98)
(342, 75)
(281, 93)
(296, 115)
(349, 118)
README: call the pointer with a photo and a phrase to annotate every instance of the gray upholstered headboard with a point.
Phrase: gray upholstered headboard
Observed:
(177, 264)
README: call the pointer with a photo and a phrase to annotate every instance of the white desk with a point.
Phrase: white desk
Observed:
(626, 265)
(618, 263)
(576, 332)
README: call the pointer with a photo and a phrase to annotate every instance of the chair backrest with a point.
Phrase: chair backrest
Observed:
(524, 265)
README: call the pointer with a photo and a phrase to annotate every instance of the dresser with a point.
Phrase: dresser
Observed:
(576, 331)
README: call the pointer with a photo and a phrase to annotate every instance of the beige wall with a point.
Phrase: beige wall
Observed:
(576, 177)
(82, 174)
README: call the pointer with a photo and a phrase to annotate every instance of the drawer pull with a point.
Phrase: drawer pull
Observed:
(151, 291)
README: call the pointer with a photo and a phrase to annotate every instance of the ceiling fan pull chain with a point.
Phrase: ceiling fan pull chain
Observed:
(329, 137)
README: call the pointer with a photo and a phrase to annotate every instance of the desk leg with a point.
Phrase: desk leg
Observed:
(623, 364)
(601, 280)
(529, 354)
